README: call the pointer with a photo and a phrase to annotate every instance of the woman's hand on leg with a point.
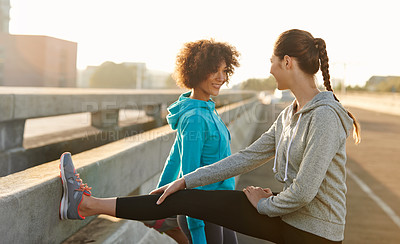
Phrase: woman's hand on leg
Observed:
(169, 189)
(255, 194)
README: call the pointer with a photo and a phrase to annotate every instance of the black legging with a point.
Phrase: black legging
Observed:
(227, 208)
(215, 234)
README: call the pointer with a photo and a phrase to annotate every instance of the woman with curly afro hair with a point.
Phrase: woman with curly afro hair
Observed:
(202, 66)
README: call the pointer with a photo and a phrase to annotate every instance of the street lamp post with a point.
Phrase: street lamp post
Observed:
(343, 86)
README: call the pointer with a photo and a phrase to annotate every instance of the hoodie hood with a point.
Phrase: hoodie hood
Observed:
(184, 104)
(326, 98)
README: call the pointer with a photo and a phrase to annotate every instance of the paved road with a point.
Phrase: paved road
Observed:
(373, 217)
(373, 198)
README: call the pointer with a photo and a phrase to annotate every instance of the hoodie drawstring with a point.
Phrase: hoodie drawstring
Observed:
(276, 153)
(288, 149)
(279, 142)
(290, 143)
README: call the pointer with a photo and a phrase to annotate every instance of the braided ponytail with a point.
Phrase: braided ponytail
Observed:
(323, 57)
(324, 62)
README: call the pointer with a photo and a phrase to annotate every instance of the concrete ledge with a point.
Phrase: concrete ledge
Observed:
(29, 199)
(18, 104)
(38, 150)
(6, 106)
(33, 102)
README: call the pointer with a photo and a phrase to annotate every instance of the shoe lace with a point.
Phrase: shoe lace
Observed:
(82, 186)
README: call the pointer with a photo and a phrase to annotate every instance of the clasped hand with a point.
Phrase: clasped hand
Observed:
(255, 194)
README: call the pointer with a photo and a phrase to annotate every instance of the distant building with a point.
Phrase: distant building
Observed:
(29, 60)
(142, 77)
(83, 80)
(159, 80)
(4, 15)
(373, 83)
(375, 80)
(141, 73)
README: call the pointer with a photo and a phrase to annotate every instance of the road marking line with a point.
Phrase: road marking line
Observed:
(389, 211)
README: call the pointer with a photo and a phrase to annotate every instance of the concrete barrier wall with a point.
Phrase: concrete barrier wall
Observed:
(19, 104)
(32, 102)
(29, 199)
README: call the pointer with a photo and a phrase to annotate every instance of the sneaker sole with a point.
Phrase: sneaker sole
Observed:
(64, 199)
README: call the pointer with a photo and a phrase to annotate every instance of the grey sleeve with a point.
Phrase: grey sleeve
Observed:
(243, 161)
(322, 143)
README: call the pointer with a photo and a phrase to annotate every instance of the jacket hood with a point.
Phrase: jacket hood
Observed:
(184, 104)
(326, 98)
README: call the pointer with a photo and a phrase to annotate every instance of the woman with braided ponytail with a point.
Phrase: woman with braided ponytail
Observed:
(308, 144)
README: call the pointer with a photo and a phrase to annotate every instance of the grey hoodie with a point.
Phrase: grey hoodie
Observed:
(310, 156)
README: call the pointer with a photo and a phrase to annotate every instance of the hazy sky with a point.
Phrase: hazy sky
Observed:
(361, 34)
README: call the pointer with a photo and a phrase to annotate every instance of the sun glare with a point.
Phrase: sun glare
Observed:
(357, 33)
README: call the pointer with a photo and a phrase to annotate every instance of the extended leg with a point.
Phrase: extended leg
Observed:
(230, 209)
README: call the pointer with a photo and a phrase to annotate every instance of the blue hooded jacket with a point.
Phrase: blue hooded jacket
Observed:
(202, 139)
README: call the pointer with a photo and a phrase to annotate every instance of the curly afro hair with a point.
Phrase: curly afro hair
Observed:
(197, 60)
